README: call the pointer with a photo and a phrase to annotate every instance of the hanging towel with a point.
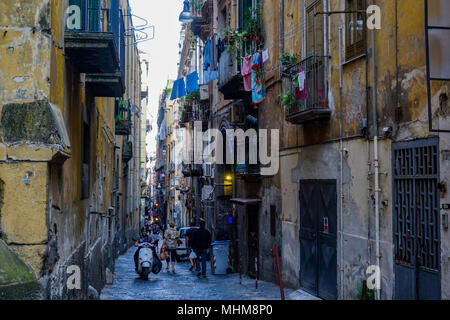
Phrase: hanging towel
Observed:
(179, 89)
(246, 72)
(209, 76)
(207, 55)
(258, 86)
(301, 90)
(192, 82)
(265, 55)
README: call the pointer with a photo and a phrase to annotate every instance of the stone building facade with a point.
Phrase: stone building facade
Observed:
(363, 146)
(70, 99)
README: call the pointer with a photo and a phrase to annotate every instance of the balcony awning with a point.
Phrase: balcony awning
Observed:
(245, 201)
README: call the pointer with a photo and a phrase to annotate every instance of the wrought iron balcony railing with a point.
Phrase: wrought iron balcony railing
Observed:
(88, 16)
(127, 151)
(94, 43)
(309, 100)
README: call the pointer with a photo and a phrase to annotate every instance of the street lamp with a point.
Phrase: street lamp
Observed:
(186, 15)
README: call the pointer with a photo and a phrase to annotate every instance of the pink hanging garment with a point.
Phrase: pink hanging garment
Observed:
(246, 72)
(301, 92)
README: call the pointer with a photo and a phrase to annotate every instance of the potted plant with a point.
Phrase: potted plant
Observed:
(288, 60)
(288, 100)
(228, 35)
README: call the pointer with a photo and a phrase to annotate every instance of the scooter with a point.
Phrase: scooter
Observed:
(148, 260)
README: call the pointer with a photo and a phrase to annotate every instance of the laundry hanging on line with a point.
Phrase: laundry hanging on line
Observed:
(301, 90)
(178, 89)
(210, 60)
(258, 80)
(246, 72)
(192, 82)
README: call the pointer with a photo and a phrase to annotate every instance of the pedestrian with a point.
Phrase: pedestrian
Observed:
(171, 237)
(189, 236)
(200, 243)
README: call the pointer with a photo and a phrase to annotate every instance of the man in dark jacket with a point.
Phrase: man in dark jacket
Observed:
(201, 241)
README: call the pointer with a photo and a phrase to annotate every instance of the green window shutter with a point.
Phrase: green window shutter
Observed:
(94, 13)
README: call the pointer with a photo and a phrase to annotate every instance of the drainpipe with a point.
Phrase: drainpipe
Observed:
(326, 19)
(341, 149)
(375, 158)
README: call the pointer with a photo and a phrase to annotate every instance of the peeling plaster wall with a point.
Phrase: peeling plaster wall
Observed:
(402, 104)
(49, 226)
(444, 148)
(322, 162)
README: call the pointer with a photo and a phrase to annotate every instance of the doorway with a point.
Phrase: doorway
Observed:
(416, 220)
(318, 237)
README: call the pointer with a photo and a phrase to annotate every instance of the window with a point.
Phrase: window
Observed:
(244, 7)
(314, 29)
(355, 31)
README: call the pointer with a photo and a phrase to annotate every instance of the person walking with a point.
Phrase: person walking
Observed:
(170, 243)
(201, 241)
(189, 236)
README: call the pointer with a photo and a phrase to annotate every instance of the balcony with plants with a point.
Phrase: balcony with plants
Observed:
(122, 118)
(93, 42)
(202, 13)
(305, 97)
(190, 108)
(239, 43)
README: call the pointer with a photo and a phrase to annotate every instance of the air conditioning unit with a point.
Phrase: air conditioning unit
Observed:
(237, 114)
(204, 92)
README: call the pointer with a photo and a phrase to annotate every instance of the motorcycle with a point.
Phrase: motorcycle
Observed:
(148, 260)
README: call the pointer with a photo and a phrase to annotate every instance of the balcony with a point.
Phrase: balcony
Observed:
(192, 170)
(248, 169)
(91, 43)
(202, 13)
(123, 127)
(312, 106)
(122, 118)
(231, 83)
(127, 151)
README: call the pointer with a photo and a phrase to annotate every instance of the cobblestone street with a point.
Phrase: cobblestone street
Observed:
(185, 285)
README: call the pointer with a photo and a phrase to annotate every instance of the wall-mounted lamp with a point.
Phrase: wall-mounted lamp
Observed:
(186, 15)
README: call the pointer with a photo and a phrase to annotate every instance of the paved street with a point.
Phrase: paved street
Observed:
(184, 285)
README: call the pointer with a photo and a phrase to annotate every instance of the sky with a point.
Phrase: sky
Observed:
(161, 52)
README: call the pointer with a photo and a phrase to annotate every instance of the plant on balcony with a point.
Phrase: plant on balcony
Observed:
(288, 60)
(288, 100)
(191, 98)
(252, 29)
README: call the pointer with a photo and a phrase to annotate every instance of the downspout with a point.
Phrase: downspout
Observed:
(375, 158)
(281, 27)
(341, 150)
(326, 19)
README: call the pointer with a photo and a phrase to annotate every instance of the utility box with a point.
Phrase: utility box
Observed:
(221, 257)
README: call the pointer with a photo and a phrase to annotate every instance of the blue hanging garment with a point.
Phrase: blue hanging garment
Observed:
(192, 82)
(178, 90)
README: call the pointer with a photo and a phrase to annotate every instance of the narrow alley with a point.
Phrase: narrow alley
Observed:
(298, 144)
(185, 285)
